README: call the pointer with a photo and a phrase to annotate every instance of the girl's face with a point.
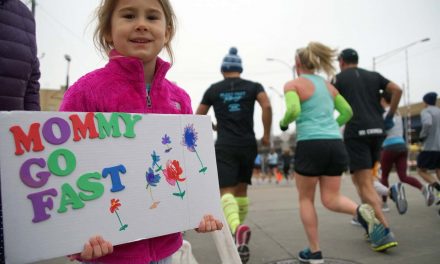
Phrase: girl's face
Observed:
(139, 29)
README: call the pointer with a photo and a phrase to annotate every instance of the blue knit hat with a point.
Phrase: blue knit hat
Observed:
(430, 98)
(232, 62)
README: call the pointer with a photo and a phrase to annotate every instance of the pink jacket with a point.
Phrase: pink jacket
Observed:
(120, 87)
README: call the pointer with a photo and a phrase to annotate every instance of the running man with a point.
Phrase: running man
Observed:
(233, 100)
(365, 132)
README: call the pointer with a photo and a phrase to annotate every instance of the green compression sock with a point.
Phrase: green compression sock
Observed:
(230, 209)
(243, 205)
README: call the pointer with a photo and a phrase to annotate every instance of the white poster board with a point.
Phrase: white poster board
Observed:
(68, 176)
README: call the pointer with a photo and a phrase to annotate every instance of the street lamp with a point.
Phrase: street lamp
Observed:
(405, 87)
(291, 68)
(395, 51)
(68, 59)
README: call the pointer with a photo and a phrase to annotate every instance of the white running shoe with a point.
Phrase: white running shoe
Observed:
(428, 194)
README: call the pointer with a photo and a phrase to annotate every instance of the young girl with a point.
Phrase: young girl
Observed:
(133, 33)
(320, 153)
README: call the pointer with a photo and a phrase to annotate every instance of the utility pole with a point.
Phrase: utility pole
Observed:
(68, 59)
(33, 4)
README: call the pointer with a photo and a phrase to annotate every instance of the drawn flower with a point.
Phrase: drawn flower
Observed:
(190, 137)
(166, 140)
(189, 140)
(155, 158)
(173, 172)
(152, 179)
(114, 205)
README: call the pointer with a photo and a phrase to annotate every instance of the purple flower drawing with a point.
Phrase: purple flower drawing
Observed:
(167, 141)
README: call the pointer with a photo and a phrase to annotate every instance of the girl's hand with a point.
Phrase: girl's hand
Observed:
(209, 224)
(94, 248)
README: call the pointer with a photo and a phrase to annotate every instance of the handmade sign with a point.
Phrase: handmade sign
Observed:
(68, 176)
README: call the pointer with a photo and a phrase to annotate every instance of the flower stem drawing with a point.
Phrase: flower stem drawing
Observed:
(114, 207)
(203, 169)
(180, 193)
(152, 181)
(190, 141)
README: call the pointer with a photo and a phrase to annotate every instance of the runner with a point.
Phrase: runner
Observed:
(233, 100)
(321, 157)
(364, 133)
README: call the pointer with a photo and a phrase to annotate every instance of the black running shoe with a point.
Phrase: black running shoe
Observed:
(306, 256)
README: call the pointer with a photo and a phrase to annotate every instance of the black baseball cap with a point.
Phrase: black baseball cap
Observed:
(349, 55)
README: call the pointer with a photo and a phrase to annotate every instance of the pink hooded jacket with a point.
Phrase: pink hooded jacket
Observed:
(120, 87)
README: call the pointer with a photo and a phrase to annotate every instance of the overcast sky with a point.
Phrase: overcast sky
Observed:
(259, 29)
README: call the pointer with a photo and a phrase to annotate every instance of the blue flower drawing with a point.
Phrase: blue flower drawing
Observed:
(190, 141)
(152, 179)
(156, 159)
(190, 138)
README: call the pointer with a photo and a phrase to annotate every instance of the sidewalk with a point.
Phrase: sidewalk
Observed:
(277, 232)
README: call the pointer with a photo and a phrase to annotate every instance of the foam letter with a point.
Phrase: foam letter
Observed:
(80, 127)
(26, 177)
(96, 188)
(54, 166)
(69, 196)
(129, 124)
(105, 128)
(48, 131)
(22, 139)
(114, 175)
(39, 204)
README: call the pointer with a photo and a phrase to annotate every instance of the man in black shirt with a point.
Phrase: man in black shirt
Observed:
(364, 133)
(233, 100)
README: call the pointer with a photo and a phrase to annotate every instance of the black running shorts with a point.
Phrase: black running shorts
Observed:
(428, 160)
(235, 164)
(363, 152)
(322, 157)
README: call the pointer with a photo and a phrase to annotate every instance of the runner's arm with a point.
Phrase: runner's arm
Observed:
(396, 93)
(293, 109)
(344, 109)
(266, 116)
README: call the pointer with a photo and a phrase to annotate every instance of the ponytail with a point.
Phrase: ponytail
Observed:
(318, 57)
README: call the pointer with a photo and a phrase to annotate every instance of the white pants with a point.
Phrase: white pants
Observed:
(381, 189)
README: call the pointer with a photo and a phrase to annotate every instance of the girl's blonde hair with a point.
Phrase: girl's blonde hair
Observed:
(104, 27)
(317, 57)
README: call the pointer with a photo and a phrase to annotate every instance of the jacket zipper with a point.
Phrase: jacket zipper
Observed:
(148, 95)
